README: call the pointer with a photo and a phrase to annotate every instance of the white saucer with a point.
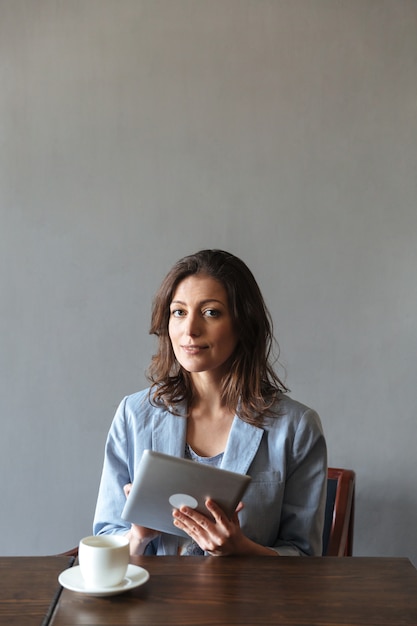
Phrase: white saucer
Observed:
(72, 579)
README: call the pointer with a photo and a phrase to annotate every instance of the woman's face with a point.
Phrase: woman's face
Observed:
(200, 325)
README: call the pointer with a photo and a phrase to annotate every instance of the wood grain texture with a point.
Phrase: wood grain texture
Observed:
(28, 588)
(202, 591)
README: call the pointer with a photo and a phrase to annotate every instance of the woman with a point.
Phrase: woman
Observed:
(215, 398)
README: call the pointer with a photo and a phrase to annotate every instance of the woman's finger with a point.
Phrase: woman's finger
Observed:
(127, 489)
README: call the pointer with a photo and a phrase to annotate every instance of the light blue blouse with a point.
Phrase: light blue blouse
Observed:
(286, 458)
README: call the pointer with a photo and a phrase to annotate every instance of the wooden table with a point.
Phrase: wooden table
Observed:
(203, 591)
(29, 588)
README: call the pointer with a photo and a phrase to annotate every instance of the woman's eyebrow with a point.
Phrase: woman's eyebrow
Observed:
(206, 301)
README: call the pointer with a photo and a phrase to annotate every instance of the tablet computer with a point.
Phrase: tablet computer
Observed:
(164, 482)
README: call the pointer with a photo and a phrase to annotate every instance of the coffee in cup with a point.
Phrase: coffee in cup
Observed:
(103, 560)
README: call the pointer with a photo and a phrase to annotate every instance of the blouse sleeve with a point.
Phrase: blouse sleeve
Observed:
(303, 507)
(115, 475)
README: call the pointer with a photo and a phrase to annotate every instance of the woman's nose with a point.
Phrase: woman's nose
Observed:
(193, 326)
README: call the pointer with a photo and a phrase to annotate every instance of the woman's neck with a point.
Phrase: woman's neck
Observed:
(207, 397)
(209, 420)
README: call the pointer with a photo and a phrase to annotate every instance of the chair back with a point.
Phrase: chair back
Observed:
(339, 515)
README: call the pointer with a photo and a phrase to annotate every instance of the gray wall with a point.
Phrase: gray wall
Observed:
(134, 132)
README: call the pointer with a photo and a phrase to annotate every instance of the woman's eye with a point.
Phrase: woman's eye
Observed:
(211, 312)
(177, 313)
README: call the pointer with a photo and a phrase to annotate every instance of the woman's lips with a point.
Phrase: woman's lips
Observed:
(193, 349)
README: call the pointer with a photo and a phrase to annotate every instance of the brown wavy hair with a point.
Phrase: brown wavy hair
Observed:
(251, 386)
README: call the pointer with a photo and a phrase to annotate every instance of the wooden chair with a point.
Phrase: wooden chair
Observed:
(339, 516)
(73, 552)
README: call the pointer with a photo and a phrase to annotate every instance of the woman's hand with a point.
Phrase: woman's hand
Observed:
(221, 537)
(139, 536)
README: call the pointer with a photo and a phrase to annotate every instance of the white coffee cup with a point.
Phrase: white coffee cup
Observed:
(103, 560)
